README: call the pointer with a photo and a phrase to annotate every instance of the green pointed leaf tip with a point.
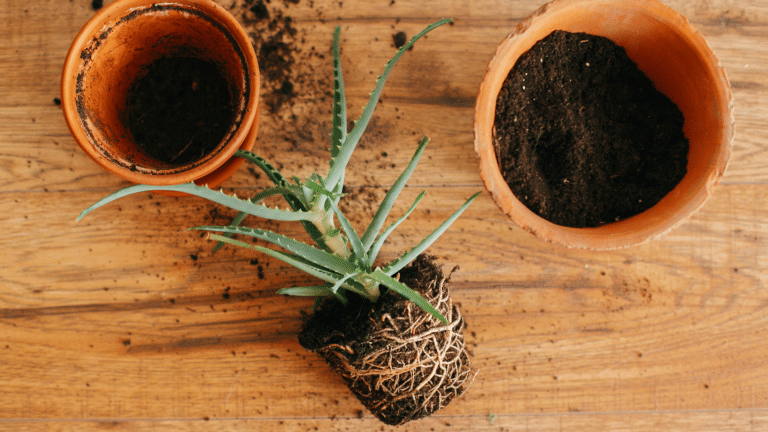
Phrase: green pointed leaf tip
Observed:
(339, 163)
(398, 264)
(408, 293)
(339, 122)
(218, 197)
(310, 253)
(389, 199)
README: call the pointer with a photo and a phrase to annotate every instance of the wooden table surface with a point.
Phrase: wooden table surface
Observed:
(124, 321)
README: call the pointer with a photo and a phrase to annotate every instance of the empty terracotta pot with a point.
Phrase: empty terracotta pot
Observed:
(681, 65)
(116, 47)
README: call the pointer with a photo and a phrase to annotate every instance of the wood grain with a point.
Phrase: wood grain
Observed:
(124, 321)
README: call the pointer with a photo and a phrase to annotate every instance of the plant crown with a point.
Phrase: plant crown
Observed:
(340, 257)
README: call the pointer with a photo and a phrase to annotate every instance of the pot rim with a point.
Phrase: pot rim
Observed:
(99, 26)
(628, 232)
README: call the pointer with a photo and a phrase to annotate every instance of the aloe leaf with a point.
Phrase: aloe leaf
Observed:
(217, 197)
(295, 201)
(307, 291)
(273, 173)
(338, 191)
(339, 131)
(300, 263)
(236, 221)
(313, 291)
(311, 253)
(337, 285)
(339, 163)
(278, 190)
(320, 189)
(389, 199)
(308, 227)
(374, 251)
(411, 255)
(408, 293)
(352, 236)
(294, 260)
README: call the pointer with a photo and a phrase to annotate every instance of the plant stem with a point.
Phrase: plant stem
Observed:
(333, 239)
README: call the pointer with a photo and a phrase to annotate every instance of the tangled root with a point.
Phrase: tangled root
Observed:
(409, 364)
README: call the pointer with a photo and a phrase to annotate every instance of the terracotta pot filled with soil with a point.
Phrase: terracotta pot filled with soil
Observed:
(162, 93)
(602, 124)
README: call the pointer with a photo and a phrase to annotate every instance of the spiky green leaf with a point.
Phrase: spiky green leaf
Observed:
(411, 255)
(307, 291)
(408, 293)
(277, 190)
(352, 236)
(313, 291)
(295, 201)
(216, 196)
(335, 288)
(339, 122)
(272, 173)
(374, 251)
(300, 263)
(339, 163)
(321, 258)
(236, 221)
(389, 199)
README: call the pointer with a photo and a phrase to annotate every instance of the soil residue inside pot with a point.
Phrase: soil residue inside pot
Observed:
(401, 363)
(180, 109)
(582, 136)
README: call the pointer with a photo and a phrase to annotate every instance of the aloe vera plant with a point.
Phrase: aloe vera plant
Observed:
(342, 259)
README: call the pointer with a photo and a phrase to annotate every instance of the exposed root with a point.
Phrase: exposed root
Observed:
(410, 364)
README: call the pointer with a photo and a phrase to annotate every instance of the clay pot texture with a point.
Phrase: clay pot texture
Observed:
(673, 54)
(117, 45)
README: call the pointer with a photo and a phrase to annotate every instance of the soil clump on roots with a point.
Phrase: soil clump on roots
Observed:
(582, 136)
(398, 360)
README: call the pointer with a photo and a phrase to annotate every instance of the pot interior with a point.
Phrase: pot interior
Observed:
(120, 54)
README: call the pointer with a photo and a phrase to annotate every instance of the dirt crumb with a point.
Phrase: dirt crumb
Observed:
(400, 39)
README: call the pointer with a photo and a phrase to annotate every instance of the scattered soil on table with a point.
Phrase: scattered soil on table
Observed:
(400, 39)
(180, 109)
(276, 42)
(97, 4)
(296, 76)
(582, 136)
(359, 341)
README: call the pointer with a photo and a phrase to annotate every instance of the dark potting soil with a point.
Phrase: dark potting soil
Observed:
(400, 38)
(180, 109)
(273, 37)
(342, 324)
(582, 136)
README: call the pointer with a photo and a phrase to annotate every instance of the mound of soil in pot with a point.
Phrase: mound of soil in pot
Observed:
(582, 136)
(399, 361)
(180, 109)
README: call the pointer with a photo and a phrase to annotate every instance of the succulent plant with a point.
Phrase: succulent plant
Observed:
(343, 259)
